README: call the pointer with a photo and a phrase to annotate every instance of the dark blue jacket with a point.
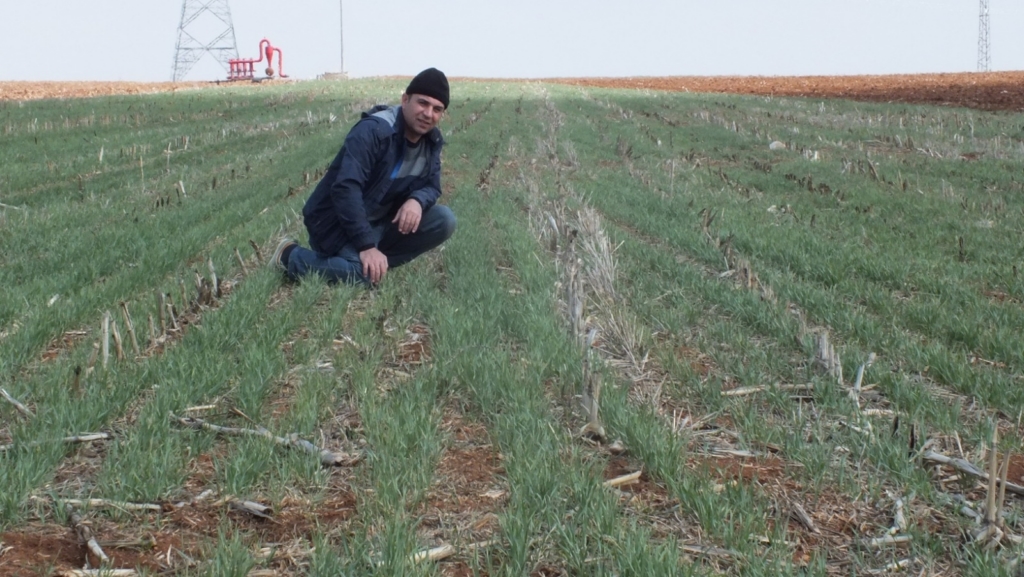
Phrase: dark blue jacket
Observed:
(360, 176)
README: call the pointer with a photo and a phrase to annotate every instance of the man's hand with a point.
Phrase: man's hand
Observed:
(375, 264)
(408, 217)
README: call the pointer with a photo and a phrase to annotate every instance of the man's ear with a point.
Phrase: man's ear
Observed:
(405, 99)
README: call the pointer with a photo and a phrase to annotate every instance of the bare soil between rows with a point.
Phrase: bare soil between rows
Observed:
(984, 91)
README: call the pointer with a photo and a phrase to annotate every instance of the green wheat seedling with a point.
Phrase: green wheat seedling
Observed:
(733, 233)
(492, 384)
(625, 340)
(153, 223)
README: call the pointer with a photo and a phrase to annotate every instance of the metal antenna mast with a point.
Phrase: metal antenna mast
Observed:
(983, 41)
(205, 28)
(341, 12)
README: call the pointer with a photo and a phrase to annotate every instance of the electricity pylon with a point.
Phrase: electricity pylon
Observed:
(205, 28)
(984, 59)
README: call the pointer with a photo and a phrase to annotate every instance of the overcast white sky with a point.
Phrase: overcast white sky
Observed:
(135, 39)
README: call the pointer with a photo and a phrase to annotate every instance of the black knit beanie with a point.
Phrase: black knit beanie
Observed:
(431, 82)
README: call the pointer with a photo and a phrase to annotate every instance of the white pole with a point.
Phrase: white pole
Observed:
(341, 34)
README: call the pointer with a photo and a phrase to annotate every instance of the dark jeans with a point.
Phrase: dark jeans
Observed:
(436, 226)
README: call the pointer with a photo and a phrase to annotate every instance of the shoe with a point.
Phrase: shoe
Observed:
(278, 260)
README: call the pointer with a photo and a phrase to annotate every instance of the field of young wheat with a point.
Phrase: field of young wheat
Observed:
(674, 334)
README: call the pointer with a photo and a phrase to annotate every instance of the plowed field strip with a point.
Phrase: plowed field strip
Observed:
(987, 91)
(29, 90)
(84, 271)
(804, 255)
(646, 434)
(508, 386)
(775, 419)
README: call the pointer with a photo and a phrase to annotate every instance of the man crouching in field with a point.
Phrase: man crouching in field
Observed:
(376, 208)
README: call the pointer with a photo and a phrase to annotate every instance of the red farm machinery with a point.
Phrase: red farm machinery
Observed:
(244, 68)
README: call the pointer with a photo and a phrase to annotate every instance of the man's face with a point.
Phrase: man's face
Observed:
(421, 114)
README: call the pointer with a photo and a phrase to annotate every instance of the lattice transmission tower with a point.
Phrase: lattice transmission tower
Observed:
(984, 60)
(205, 28)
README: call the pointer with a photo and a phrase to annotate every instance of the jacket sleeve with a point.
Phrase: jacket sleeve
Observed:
(428, 195)
(362, 146)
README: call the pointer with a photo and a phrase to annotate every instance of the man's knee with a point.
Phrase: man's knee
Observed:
(444, 220)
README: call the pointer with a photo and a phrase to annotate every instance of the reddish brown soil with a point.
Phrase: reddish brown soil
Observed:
(19, 90)
(620, 466)
(468, 492)
(38, 549)
(701, 364)
(415, 350)
(986, 91)
(32, 550)
(769, 469)
(1015, 472)
(62, 344)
